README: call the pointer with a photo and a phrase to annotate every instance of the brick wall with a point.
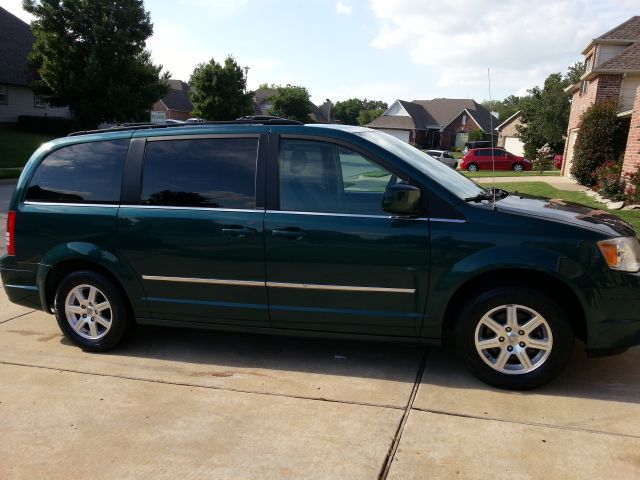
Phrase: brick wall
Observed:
(448, 138)
(601, 88)
(632, 153)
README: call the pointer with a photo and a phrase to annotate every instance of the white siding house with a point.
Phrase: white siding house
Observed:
(16, 100)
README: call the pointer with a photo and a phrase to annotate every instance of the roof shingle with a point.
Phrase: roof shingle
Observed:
(629, 30)
(16, 41)
(627, 60)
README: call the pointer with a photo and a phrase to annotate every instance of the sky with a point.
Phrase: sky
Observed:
(381, 49)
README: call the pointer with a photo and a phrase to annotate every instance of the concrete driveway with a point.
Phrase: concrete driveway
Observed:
(196, 405)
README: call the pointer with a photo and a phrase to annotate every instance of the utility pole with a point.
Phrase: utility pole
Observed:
(246, 79)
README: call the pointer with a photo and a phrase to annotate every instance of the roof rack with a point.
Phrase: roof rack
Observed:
(248, 120)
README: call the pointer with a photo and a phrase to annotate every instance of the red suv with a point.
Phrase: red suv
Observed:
(481, 159)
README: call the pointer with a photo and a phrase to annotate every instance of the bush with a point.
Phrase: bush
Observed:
(56, 126)
(544, 158)
(632, 187)
(600, 139)
(476, 134)
(607, 180)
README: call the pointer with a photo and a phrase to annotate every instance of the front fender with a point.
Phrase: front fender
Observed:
(447, 279)
(93, 254)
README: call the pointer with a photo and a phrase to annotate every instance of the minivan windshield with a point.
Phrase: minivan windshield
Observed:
(453, 181)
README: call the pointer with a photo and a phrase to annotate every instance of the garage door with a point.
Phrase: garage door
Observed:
(514, 145)
(401, 134)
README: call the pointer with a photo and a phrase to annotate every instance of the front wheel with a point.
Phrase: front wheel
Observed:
(90, 311)
(472, 167)
(514, 337)
(517, 167)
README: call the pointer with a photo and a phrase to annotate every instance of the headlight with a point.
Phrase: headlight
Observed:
(621, 253)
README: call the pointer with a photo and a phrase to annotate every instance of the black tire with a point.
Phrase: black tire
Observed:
(117, 314)
(472, 167)
(518, 377)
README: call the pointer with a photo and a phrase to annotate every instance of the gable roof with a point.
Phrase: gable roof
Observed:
(177, 98)
(445, 110)
(509, 120)
(629, 31)
(626, 61)
(16, 41)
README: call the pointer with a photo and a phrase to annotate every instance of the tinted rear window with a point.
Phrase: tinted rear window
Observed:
(215, 172)
(83, 173)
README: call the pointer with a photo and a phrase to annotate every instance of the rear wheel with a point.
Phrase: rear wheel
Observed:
(514, 337)
(517, 167)
(90, 311)
(472, 167)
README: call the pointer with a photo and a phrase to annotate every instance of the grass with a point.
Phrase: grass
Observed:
(542, 189)
(16, 147)
(502, 173)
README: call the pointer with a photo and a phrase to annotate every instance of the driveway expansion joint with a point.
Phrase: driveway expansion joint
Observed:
(531, 424)
(17, 316)
(209, 387)
(386, 466)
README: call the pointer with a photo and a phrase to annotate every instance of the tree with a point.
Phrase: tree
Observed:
(504, 108)
(599, 139)
(368, 116)
(218, 91)
(291, 102)
(476, 134)
(91, 56)
(348, 111)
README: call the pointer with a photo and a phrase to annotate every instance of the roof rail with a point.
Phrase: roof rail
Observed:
(249, 120)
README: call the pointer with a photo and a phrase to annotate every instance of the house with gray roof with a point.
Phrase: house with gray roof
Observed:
(436, 123)
(262, 106)
(16, 95)
(612, 73)
(175, 105)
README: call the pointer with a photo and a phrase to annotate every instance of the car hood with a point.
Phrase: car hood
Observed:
(566, 212)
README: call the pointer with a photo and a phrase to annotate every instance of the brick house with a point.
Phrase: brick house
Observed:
(176, 104)
(612, 72)
(508, 135)
(16, 95)
(436, 123)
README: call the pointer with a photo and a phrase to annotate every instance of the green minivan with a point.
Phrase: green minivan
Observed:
(268, 225)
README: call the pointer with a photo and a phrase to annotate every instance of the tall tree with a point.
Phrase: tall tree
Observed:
(90, 55)
(545, 113)
(291, 102)
(348, 111)
(504, 108)
(368, 116)
(218, 91)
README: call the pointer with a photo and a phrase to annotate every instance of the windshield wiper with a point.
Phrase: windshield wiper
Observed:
(488, 194)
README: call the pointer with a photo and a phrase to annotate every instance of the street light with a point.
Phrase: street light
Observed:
(246, 77)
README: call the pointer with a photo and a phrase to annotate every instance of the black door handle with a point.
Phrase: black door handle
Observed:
(237, 231)
(289, 232)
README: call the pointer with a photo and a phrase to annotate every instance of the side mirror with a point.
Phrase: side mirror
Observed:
(402, 199)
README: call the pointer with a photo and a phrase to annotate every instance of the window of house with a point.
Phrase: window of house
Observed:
(584, 87)
(83, 173)
(4, 95)
(38, 101)
(211, 172)
(588, 63)
(464, 119)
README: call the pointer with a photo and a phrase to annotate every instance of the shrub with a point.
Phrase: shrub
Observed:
(600, 138)
(544, 158)
(57, 126)
(476, 134)
(607, 180)
(632, 187)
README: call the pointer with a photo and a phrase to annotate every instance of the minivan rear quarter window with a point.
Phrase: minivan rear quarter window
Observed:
(211, 172)
(83, 173)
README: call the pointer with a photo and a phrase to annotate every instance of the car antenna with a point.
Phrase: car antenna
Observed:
(493, 156)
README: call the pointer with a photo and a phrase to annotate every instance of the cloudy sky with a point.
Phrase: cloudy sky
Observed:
(381, 49)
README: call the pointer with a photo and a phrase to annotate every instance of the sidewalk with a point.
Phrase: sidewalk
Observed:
(560, 182)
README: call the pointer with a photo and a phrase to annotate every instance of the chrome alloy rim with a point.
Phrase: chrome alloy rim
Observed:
(513, 339)
(88, 312)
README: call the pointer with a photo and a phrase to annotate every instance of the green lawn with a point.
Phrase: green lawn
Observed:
(543, 189)
(16, 147)
(509, 173)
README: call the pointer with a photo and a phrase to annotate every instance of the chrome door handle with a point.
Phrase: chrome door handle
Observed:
(234, 231)
(292, 233)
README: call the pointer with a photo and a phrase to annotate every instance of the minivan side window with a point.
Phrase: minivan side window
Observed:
(210, 172)
(82, 173)
(325, 177)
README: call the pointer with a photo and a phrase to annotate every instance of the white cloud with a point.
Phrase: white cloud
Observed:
(343, 9)
(521, 41)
